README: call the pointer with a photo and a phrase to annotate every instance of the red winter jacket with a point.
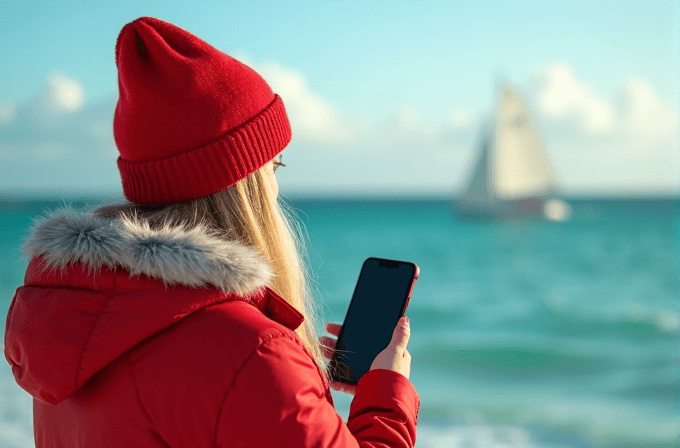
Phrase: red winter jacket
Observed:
(126, 337)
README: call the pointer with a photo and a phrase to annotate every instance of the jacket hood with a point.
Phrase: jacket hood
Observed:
(173, 254)
(96, 287)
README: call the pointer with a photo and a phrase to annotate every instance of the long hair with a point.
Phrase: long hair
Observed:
(248, 212)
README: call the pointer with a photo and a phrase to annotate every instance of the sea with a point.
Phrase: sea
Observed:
(531, 334)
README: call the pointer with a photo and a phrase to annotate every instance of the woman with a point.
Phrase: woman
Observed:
(183, 318)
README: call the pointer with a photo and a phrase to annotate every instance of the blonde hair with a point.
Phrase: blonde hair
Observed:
(248, 212)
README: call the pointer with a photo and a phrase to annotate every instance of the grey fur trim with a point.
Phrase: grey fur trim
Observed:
(192, 257)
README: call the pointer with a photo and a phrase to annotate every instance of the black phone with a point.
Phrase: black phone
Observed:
(380, 299)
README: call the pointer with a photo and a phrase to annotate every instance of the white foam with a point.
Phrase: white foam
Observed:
(16, 413)
(475, 436)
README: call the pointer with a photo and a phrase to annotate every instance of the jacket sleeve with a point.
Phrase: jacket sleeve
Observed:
(277, 399)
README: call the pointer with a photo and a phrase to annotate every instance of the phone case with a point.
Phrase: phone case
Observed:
(416, 273)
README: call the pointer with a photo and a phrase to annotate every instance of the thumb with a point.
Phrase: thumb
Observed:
(401, 334)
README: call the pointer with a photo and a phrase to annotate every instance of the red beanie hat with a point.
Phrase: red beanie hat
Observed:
(190, 120)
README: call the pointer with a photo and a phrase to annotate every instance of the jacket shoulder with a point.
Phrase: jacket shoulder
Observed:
(192, 364)
(277, 389)
(218, 337)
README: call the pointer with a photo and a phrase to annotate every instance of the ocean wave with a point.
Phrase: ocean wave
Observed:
(503, 360)
(631, 322)
(634, 323)
(548, 421)
(477, 436)
(535, 436)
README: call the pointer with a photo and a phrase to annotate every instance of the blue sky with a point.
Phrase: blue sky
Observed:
(383, 96)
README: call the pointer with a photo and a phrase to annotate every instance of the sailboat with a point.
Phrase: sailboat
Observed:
(513, 177)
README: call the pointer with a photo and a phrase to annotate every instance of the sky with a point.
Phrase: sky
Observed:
(385, 97)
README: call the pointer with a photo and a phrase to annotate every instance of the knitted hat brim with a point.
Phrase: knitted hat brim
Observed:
(210, 168)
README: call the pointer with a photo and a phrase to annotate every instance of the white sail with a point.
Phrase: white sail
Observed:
(478, 190)
(519, 167)
(512, 176)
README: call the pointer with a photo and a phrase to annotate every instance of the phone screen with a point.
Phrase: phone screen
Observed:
(379, 300)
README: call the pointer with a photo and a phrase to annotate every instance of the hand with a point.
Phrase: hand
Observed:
(394, 357)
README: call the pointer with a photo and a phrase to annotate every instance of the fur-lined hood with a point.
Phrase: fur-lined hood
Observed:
(175, 255)
(92, 292)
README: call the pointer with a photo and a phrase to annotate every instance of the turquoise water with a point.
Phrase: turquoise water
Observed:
(533, 334)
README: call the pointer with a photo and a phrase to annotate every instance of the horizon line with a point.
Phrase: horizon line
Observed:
(108, 197)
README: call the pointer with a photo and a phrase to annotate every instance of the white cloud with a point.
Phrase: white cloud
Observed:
(57, 141)
(312, 118)
(459, 119)
(316, 120)
(587, 134)
(563, 96)
(7, 110)
(404, 152)
(642, 112)
(63, 94)
(635, 111)
(408, 120)
(625, 143)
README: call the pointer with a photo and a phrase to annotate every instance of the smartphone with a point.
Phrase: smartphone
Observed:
(380, 299)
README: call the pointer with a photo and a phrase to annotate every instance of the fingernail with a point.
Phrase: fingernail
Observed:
(406, 320)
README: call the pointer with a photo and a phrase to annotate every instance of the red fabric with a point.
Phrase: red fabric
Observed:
(114, 360)
(190, 119)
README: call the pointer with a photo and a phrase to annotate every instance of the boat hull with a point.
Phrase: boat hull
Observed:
(525, 208)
